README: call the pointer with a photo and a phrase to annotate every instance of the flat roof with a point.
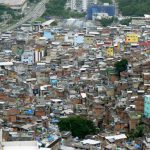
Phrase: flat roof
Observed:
(147, 96)
(46, 23)
(23, 145)
(83, 95)
(56, 100)
(46, 148)
(66, 148)
(31, 79)
(146, 73)
(91, 142)
(6, 63)
(116, 137)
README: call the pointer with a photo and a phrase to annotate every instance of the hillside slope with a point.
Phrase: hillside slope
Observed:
(134, 7)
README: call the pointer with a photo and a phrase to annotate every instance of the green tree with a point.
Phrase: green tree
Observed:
(8, 14)
(121, 66)
(57, 8)
(125, 21)
(34, 1)
(138, 132)
(134, 7)
(79, 127)
(4, 10)
(106, 22)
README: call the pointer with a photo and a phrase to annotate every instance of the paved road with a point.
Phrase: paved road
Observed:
(38, 11)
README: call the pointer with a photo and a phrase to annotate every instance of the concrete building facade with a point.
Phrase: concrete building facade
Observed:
(81, 5)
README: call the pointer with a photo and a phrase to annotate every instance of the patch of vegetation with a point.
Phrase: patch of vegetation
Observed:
(140, 130)
(7, 14)
(121, 66)
(41, 19)
(57, 8)
(108, 21)
(134, 7)
(125, 21)
(34, 1)
(79, 127)
(5, 9)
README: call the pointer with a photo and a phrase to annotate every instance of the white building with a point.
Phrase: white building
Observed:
(76, 5)
(99, 16)
(81, 5)
(84, 5)
(39, 54)
(17, 145)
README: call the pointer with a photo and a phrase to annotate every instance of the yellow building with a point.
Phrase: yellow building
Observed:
(110, 51)
(12, 74)
(59, 37)
(14, 48)
(131, 38)
(89, 39)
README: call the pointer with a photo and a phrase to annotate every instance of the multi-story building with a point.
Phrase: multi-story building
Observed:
(132, 38)
(78, 39)
(27, 57)
(74, 4)
(110, 51)
(81, 5)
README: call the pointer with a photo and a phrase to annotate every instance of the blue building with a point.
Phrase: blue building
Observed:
(109, 9)
(48, 35)
(78, 39)
(147, 106)
(53, 80)
(27, 57)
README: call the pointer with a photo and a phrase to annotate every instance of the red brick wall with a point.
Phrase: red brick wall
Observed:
(12, 118)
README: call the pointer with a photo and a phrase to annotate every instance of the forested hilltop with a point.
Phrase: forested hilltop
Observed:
(134, 7)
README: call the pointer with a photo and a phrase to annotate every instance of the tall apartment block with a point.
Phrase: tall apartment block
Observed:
(81, 5)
